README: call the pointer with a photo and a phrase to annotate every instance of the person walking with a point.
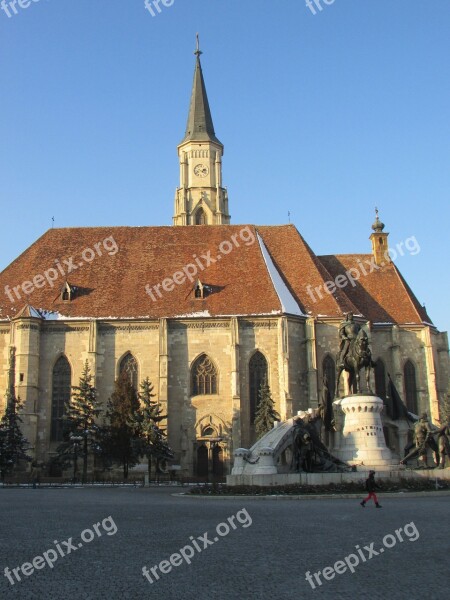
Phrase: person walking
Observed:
(371, 487)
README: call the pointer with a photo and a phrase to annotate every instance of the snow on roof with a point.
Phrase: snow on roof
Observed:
(201, 313)
(288, 303)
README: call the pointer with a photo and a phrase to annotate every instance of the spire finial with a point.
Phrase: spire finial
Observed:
(378, 226)
(198, 52)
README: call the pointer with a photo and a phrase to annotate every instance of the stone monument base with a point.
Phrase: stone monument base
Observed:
(362, 442)
(282, 479)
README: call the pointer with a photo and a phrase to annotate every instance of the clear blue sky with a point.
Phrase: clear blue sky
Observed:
(322, 115)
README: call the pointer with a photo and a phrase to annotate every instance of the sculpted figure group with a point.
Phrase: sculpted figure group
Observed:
(309, 451)
(424, 439)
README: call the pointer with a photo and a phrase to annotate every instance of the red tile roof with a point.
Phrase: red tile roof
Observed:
(382, 295)
(302, 268)
(114, 285)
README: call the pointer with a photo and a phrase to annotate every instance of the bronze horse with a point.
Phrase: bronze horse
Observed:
(358, 356)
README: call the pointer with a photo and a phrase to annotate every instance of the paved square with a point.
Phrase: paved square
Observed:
(266, 560)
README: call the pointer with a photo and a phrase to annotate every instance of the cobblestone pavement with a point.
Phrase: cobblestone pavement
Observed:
(266, 560)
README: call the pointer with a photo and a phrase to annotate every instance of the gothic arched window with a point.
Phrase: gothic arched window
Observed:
(329, 371)
(204, 376)
(409, 373)
(257, 375)
(128, 364)
(380, 379)
(61, 390)
(208, 432)
(200, 217)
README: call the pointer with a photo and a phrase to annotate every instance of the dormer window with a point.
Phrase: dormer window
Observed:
(201, 290)
(67, 292)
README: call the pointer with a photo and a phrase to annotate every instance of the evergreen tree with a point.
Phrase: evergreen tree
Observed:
(265, 415)
(153, 439)
(80, 421)
(122, 429)
(13, 445)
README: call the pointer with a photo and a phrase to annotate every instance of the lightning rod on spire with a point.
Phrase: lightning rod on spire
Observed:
(198, 52)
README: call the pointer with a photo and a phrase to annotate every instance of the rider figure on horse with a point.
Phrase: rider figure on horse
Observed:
(354, 354)
(348, 331)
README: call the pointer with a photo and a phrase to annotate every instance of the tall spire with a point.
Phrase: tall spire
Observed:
(201, 198)
(199, 124)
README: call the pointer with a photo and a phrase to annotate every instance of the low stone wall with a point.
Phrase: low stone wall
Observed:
(336, 478)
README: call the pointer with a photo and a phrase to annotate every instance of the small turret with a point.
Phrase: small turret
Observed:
(379, 239)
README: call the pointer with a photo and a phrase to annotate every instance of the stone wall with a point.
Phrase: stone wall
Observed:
(165, 350)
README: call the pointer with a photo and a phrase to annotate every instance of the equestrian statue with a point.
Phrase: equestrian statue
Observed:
(354, 354)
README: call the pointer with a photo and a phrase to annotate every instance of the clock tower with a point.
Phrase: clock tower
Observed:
(200, 199)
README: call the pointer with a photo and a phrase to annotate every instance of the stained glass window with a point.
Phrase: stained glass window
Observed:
(329, 371)
(61, 390)
(129, 365)
(204, 376)
(257, 374)
(409, 372)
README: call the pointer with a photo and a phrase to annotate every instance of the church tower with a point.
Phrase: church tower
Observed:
(200, 199)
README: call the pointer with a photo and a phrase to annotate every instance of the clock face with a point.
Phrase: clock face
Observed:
(201, 170)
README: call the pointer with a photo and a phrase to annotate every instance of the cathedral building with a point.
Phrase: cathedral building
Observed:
(207, 310)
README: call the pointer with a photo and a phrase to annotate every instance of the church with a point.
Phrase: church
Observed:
(207, 310)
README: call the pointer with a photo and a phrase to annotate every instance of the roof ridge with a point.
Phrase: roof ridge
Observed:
(296, 310)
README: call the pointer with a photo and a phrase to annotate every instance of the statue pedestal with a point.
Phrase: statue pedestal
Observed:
(362, 441)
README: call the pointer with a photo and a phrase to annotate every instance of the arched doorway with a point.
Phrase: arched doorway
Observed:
(217, 461)
(210, 449)
(202, 461)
